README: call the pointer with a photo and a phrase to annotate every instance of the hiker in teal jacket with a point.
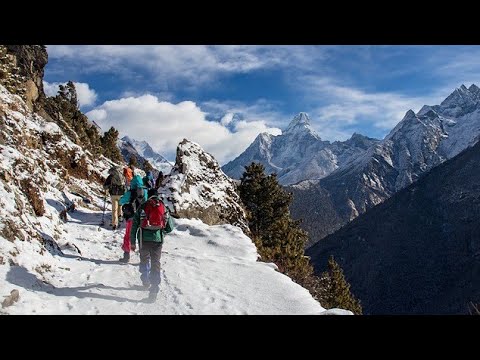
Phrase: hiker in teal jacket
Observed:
(130, 202)
(137, 182)
(150, 247)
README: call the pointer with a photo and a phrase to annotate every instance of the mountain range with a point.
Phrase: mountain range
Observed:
(298, 153)
(416, 145)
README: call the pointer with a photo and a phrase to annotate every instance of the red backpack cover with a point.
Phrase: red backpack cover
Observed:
(155, 215)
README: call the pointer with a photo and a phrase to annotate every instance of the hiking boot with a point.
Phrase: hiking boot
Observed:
(126, 258)
(114, 227)
(152, 295)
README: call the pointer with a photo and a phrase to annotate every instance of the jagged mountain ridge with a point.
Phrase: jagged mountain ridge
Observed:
(198, 188)
(418, 251)
(143, 151)
(416, 145)
(298, 154)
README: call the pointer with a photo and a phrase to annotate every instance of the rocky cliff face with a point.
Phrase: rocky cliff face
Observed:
(31, 61)
(198, 188)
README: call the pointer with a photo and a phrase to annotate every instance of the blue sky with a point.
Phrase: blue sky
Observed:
(222, 97)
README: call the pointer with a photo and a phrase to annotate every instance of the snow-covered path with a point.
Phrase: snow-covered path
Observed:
(205, 270)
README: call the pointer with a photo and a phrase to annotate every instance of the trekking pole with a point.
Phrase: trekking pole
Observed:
(104, 206)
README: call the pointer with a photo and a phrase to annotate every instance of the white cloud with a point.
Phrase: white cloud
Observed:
(98, 115)
(348, 106)
(86, 96)
(51, 89)
(163, 125)
(161, 95)
(186, 65)
(335, 102)
(227, 118)
(232, 111)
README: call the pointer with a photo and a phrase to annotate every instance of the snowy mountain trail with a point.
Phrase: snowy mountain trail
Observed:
(205, 270)
(54, 261)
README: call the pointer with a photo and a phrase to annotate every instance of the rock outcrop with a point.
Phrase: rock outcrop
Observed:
(198, 188)
(31, 61)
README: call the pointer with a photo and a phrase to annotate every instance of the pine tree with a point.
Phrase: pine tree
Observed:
(279, 239)
(71, 94)
(250, 191)
(109, 144)
(336, 290)
(265, 199)
(64, 109)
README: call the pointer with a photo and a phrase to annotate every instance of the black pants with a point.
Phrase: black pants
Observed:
(150, 263)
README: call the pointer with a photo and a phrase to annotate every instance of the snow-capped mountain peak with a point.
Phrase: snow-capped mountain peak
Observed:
(298, 153)
(360, 141)
(474, 89)
(425, 109)
(410, 119)
(461, 101)
(300, 124)
(142, 147)
(299, 119)
(409, 114)
(145, 151)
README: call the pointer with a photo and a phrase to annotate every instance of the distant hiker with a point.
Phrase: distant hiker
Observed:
(130, 202)
(128, 173)
(159, 180)
(115, 184)
(148, 180)
(150, 224)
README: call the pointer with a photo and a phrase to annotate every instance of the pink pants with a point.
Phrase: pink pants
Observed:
(126, 238)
